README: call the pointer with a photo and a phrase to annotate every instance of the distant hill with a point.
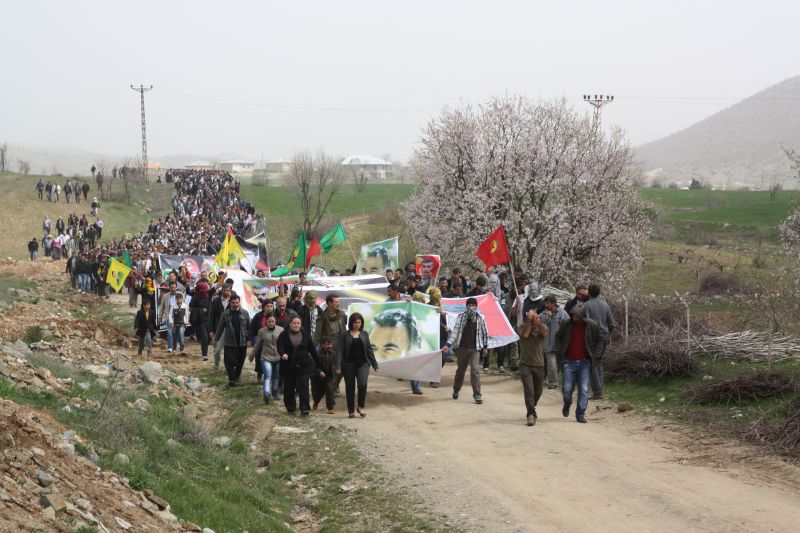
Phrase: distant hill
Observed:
(740, 145)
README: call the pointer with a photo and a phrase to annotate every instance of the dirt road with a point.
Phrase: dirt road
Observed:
(484, 468)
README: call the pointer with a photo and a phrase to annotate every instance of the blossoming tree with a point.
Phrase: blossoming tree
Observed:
(565, 191)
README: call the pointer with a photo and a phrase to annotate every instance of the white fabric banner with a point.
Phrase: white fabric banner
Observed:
(424, 367)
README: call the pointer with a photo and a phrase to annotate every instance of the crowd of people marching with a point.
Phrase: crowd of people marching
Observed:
(298, 349)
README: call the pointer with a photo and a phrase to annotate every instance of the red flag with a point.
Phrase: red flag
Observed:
(494, 250)
(313, 250)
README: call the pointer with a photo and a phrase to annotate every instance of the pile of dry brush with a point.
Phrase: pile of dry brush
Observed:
(659, 353)
(656, 345)
(784, 435)
(762, 384)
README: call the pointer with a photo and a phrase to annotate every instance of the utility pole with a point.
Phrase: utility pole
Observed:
(141, 89)
(598, 102)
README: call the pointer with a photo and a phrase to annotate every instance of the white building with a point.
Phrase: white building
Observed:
(199, 165)
(237, 165)
(375, 167)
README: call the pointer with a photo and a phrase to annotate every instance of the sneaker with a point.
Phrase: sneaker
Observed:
(565, 410)
(486, 370)
(330, 411)
(169, 350)
(351, 415)
(597, 396)
(581, 419)
(501, 369)
(304, 413)
(513, 368)
(434, 385)
(205, 358)
(416, 391)
(531, 420)
(455, 395)
(266, 400)
(478, 398)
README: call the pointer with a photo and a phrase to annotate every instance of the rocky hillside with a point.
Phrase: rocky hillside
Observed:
(738, 145)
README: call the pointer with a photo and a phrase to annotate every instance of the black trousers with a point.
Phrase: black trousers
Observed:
(324, 387)
(353, 374)
(296, 380)
(201, 332)
(234, 361)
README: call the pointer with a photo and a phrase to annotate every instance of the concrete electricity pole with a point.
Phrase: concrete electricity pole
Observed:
(141, 89)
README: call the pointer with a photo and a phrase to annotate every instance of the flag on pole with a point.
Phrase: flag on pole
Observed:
(494, 250)
(334, 236)
(299, 253)
(117, 274)
(313, 251)
(230, 252)
(125, 259)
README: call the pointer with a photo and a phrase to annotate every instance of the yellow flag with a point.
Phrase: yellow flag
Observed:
(117, 274)
(230, 252)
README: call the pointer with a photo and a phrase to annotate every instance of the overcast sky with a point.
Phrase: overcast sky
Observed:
(268, 78)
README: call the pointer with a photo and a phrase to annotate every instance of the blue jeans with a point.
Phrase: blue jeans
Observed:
(580, 372)
(170, 337)
(177, 337)
(415, 384)
(271, 372)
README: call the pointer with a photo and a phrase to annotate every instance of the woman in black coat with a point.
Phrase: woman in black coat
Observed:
(199, 309)
(298, 363)
(354, 361)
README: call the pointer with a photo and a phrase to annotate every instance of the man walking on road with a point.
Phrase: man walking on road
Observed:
(552, 317)
(532, 336)
(470, 339)
(600, 312)
(579, 339)
(233, 323)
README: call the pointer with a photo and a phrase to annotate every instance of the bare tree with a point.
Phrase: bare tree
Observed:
(775, 186)
(3, 156)
(317, 178)
(24, 166)
(360, 177)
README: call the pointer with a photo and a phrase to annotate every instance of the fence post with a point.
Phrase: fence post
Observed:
(625, 299)
(688, 328)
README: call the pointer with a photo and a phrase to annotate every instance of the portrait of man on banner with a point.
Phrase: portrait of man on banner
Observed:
(378, 257)
(427, 267)
(400, 329)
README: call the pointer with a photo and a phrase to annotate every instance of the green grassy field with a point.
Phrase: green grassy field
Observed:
(732, 214)
(283, 201)
(24, 212)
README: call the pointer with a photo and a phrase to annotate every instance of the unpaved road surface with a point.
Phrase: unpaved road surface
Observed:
(488, 471)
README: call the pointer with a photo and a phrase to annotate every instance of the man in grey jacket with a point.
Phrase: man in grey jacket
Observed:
(552, 317)
(599, 311)
(233, 323)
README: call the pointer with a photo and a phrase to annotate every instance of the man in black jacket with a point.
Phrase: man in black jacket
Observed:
(233, 324)
(218, 306)
(145, 326)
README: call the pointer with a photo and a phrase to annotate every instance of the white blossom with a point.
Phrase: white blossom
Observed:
(566, 193)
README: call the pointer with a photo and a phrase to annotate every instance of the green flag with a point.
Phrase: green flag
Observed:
(125, 259)
(299, 253)
(334, 236)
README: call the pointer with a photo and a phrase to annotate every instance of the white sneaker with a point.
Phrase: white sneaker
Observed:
(169, 350)
(501, 369)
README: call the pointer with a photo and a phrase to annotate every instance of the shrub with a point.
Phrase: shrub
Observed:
(718, 283)
(33, 334)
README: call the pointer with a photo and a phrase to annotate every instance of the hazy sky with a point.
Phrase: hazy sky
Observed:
(364, 77)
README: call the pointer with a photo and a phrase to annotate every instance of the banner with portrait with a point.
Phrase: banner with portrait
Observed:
(193, 263)
(378, 257)
(500, 330)
(405, 338)
(427, 267)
